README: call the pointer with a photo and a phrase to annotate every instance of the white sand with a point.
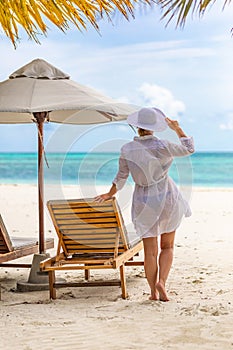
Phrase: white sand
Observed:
(199, 315)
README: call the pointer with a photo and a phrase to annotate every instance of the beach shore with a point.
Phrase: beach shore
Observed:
(199, 314)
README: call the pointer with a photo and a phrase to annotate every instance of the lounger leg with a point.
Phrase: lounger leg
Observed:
(87, 275)
(52, 290)
(123, 282)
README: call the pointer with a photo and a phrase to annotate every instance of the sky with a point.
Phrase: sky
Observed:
(186, 72)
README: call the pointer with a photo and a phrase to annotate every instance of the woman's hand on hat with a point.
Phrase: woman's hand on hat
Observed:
(173, 124)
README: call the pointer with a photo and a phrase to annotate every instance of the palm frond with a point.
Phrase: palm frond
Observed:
(180, 9)
(31, 14)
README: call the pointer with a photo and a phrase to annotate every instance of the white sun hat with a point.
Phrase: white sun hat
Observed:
(148, 119)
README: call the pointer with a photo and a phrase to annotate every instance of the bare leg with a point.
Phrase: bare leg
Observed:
(165, 263)
(150, 264)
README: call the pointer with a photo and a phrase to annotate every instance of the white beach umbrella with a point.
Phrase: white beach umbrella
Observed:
(39, 86)
(40, 92)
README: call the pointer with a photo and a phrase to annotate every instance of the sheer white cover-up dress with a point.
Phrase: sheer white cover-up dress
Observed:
(157, 204)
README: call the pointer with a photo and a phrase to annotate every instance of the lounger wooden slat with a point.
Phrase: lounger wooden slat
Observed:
(89, 245)
(91, 230)
(92, 211)
(12, 248)
(91, 235)
(86, 226)
(71, 215)
(93, 221)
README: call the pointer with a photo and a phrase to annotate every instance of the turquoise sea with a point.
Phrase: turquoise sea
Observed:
(208, 169)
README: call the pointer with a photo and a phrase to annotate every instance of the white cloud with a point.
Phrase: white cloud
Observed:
(162, 98)
(228, 125)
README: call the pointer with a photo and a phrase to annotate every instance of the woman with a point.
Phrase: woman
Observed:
(157, 206)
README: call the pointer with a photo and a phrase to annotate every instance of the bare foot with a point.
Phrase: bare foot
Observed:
(154, 295)
(162, 292)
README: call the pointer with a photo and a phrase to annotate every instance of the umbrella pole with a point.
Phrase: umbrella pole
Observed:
(38, 280)
(40, 118)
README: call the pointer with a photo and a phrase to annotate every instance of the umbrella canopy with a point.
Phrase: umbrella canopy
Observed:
(39, 86)
(39, 91)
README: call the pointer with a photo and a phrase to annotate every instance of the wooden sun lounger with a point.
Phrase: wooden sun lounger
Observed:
(91, 235)
(17, 247)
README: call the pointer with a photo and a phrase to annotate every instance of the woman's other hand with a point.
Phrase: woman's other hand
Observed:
(105, 196)
(102, 197)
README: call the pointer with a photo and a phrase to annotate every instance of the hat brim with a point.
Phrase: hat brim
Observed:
(159, 126)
